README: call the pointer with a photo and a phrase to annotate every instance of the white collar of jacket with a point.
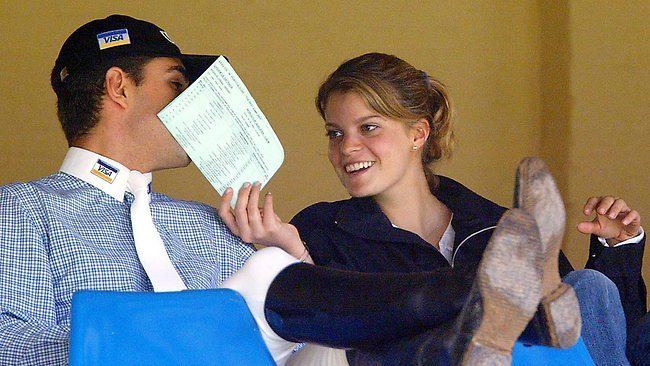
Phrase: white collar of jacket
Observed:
(104, 173)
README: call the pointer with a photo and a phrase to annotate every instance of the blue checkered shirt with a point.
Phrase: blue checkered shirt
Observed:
(60, 234)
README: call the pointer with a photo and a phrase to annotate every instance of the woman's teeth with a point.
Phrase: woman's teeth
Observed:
(350, 168)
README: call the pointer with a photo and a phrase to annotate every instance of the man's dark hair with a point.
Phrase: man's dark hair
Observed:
(79, 96)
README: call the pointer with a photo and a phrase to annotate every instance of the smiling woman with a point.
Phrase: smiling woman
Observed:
(387, 124)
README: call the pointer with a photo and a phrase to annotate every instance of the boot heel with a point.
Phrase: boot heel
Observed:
(562, 312)
(479, 354)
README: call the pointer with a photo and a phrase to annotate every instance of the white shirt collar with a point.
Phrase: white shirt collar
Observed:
(447, 241)
(104, 173)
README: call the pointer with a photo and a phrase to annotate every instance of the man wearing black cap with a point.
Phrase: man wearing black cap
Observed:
(77, 229)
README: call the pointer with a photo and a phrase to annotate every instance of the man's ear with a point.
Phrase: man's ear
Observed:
(420, 131)
(118, 86)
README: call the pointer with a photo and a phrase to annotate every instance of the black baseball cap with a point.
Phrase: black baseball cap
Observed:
(118, 36)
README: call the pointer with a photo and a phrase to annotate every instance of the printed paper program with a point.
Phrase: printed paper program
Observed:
(223, 131)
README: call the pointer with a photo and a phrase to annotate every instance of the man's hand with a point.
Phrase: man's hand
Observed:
(614, 220)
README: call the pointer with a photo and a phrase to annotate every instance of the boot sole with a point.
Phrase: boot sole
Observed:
(509, 278)
(537, 193)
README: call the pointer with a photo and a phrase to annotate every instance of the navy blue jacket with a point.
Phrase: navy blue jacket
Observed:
(354, 234)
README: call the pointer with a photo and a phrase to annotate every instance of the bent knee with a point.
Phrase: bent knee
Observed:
(588, 278)
(589, 283)
(269, 258)
(259, 270)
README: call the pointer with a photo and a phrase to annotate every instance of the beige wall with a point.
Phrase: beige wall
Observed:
(567, 81)
(609, 104)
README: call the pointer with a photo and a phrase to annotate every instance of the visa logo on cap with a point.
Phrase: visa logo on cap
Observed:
(104, 171)
(118, 37)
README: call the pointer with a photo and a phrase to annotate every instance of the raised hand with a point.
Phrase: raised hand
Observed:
(614, 221)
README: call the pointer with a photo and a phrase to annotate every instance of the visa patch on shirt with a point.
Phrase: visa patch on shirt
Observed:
(104, 171)
(118, 37)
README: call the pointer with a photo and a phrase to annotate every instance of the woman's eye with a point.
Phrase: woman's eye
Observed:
(369, 128)
(332, 134)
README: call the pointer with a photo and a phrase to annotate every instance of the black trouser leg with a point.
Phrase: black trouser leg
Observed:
(347, 309)
(390, 318)
(424, 349)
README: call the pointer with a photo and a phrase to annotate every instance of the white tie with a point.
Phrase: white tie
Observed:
(148, 244)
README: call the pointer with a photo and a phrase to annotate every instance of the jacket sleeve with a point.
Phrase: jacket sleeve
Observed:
(30, 333)
(623, 266)
(309, 223)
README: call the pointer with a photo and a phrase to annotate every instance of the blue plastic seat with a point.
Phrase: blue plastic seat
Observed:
(207, 327)
(577, 355)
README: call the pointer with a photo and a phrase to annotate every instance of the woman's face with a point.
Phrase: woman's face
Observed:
(371, 154)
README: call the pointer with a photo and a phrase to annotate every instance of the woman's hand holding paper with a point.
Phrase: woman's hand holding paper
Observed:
(259, 225)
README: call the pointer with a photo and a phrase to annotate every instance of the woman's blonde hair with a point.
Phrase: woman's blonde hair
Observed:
(397, 90)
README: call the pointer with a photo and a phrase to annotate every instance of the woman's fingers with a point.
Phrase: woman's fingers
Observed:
(226, 213)
(268, 211)
(254, 217)
(241, 213)
(253, 224)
